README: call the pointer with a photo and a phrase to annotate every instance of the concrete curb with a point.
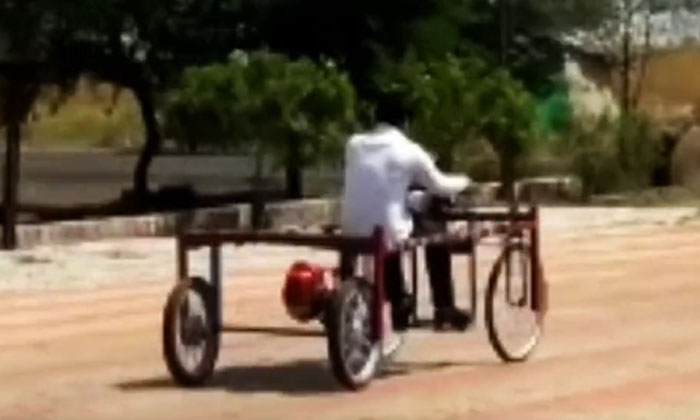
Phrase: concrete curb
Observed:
(298, 213)
(304, 214)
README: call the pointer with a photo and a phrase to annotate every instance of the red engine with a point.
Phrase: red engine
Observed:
(305, 291)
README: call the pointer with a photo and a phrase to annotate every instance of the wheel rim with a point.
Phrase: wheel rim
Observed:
(516, 324)
(192, 331)
(360, 353)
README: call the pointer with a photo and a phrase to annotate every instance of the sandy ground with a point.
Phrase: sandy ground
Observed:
(80, 337)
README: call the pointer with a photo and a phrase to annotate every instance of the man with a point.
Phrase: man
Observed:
(438, 260)
(381, 165)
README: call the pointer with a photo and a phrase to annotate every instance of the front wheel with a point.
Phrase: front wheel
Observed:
(514, 327)
(190, 334)
(354, 354)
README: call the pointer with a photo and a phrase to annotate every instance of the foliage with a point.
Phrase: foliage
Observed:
(508, 123)
(611, 155)
(354, 33)
(296, 109)
(638, 150)
(142, 46)
(590, 149)
(97, 115)
(442, 98)
(452, 102)
(509, 115)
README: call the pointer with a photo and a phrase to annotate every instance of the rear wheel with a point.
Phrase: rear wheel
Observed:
(190, 334)
(514, 327)
(354, 354)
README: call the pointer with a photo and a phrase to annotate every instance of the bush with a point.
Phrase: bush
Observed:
(638, 150)
(611, 155)
(96, 115)
(297, 111)
(442, 98)
(509, 123)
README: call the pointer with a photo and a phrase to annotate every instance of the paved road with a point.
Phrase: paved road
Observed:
(621, 339)
(84, 177)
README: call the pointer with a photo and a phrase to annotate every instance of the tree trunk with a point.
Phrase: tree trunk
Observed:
(626, 59)
(507, 177)
(11, 181)
(293, 172)
(504, 17)
(644, 61)
(258, 204)
(151, 148)
(294, 181)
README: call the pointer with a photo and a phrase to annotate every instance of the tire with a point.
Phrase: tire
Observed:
(349, 333)
(201, 332)
(499, 300)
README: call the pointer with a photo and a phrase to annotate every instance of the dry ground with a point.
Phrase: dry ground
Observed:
(80, 339)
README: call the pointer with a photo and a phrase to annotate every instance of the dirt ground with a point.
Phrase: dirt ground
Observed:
(82, 341)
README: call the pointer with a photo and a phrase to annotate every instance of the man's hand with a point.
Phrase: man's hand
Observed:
(438, 205)
(471, 189)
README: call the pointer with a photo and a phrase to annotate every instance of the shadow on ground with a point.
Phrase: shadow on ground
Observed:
(296, 378)
(301, 377)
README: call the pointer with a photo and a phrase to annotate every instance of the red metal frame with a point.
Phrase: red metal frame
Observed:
(515, 223)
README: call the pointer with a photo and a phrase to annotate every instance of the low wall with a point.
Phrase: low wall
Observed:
(298, 213)
(306, 213)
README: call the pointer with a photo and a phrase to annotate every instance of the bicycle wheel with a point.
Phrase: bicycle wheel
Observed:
(190, 335)
(514, 327)
(354, 354)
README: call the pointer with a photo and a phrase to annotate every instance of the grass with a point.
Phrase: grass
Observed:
(95, 116)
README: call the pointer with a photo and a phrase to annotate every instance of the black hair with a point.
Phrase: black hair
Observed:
(389, 111)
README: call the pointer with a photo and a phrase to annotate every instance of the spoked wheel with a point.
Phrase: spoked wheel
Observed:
(353, 353)
(514, 327)
(190, 336)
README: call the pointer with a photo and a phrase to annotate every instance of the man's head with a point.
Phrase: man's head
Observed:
(390, 112)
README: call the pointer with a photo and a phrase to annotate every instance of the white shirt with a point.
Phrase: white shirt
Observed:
(379, 168)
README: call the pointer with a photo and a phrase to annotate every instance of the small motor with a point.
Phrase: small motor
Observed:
(306, 289)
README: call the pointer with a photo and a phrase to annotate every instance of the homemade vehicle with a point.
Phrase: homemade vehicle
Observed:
(352, 310)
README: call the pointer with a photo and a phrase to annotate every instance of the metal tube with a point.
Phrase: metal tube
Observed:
(379, 261)
(535, 272)
(472, 268)
(215, 275)
(414, 279)
(182, 259)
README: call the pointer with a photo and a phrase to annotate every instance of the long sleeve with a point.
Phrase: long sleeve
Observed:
(426, 173)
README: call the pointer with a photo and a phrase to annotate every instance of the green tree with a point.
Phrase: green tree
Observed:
(144, 46)
(508, 123)
(589, 146)
(296, 111)
(442, 98)
(27, 62)
(525, 36)
(638, 142)
(609, 154)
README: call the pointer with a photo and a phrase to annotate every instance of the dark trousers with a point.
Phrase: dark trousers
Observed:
(394, 285)
(439, 264)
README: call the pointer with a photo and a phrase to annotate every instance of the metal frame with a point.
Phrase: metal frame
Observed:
(513, 222)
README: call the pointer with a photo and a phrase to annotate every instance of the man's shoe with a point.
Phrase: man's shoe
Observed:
(451, 319)
(392, 344)
(401, 315)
